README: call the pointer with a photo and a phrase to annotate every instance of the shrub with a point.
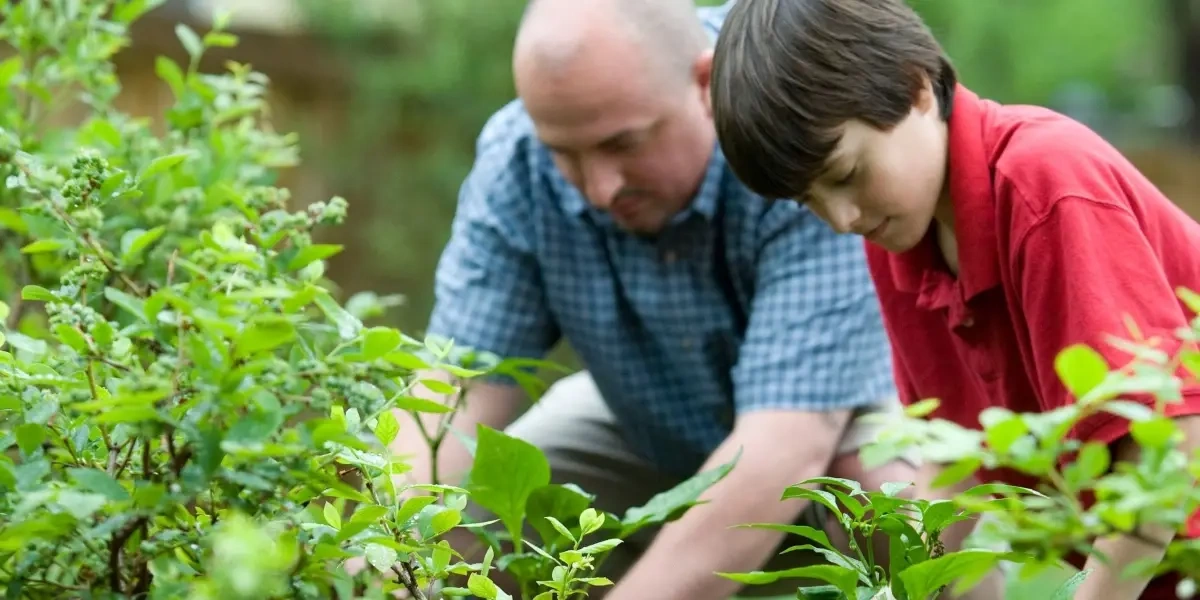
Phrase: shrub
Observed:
(183, 399)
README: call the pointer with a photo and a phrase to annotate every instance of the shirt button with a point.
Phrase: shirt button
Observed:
(669, 257)
(968, 322)
(686, 343)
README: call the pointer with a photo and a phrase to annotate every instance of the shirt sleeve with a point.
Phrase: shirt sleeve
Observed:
(1080, 272)
(488, 294)
(815, 340)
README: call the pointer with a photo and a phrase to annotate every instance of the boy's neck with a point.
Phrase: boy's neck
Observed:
(943, 220)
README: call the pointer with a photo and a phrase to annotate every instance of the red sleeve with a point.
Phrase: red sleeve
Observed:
(1079, 272)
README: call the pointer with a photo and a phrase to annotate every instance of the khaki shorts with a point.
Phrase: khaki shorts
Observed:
(573, 426)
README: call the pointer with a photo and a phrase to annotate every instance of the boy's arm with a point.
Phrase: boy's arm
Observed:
(1080, 272)
(1105, 581)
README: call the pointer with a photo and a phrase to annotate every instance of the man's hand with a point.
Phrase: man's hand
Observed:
(779, 448)
(1105, 582)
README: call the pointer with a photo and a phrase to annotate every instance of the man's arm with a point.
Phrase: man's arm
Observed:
(814, 349)
(681, 562)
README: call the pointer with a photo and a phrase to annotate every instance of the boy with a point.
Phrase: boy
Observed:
(997, 235)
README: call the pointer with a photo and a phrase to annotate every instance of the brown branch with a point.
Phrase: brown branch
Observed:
(114, 552)
(409, 579)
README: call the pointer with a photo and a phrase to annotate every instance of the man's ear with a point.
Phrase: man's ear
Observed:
(702, 74)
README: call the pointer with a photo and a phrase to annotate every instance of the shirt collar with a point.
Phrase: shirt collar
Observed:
(704, 202)
(971, 194)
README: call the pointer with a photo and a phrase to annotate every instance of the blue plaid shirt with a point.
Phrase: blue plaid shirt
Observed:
(741, 305)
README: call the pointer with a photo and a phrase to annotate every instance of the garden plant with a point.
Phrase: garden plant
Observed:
(190, 409)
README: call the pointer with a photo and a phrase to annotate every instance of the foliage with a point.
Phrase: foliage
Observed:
(184, 403)
(1081, 492)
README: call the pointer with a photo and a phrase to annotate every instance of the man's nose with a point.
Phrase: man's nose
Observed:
(601, 182)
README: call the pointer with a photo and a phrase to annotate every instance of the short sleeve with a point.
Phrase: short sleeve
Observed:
(815, 340)
(488, 293)
(1080, 272)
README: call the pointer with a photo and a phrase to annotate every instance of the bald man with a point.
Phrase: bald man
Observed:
(709, 320)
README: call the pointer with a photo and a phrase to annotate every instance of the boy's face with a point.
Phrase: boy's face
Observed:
(885, 185)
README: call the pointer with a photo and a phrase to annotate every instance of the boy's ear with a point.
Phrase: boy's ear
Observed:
(702, 73)
(926, 100)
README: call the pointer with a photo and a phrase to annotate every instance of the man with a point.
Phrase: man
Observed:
(600, 209)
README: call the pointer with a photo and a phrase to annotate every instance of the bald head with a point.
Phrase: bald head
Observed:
(560, 36)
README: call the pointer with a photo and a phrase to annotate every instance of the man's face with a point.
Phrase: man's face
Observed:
(885, 186)
(635, 147)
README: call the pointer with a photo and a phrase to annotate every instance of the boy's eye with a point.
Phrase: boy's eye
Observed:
(844, 179)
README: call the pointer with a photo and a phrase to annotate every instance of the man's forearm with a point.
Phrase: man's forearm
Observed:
(682, 561)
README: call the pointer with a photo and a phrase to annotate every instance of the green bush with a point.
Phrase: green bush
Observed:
(183, 401)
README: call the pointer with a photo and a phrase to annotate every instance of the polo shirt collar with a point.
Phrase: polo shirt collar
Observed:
(922, 269)
(704, 202)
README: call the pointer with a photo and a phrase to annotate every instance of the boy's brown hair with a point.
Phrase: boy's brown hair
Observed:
(787, 74)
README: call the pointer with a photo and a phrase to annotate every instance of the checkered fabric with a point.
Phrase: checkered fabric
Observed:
(741, 305)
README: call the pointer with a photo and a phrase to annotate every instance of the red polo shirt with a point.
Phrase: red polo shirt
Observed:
(1058, 238)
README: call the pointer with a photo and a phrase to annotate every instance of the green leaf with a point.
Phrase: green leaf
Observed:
(381, 557)
(95, 480)
(1080, 368)
(1155, 433)
(425, 405)
(128, 12)
(590, 521)
(1066, 591)
(554, 500)
(191, 42)
(600, 547)
(332, 515)
(561, 529)
(312, 253)
(804, 531)
(42, 246)
(9, 69)
(347, 324)
(922, 408)
(30, 437)
(669, 505)
(163, 164)
(71, 337)
(131, 304)
(957, 472)
(171, 74)
(483, 587)
(220, 39)
(266, 333)
(412, 506)
(439, 387)
(378, 341)
(844, 579)
(37, 293)
(923, 579)
(135, 241)
(445, 521)
(387, 427)
(506, 470)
